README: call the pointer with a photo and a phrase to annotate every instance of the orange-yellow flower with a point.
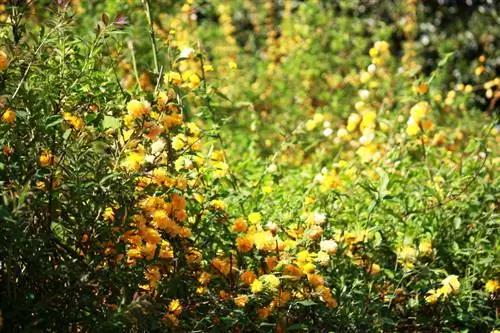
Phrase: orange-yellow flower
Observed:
(9, 116)
(492, 286)
(46, 159)
(316, 280)
(263, 313)
(221, 265)
(239, 225)
(244, 244)
(247, 277)
(4, 60)
(241, 300)
(137, 108)
(175, 307)
(152, 236)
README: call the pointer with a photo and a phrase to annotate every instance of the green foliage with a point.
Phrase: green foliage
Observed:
(237, 166)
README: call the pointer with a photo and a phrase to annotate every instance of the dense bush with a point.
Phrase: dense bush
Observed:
(249, 166)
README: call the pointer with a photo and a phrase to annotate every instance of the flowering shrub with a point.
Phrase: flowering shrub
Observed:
(214, 166)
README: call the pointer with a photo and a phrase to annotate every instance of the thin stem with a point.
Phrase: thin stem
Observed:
(134, 63)
(147, 9)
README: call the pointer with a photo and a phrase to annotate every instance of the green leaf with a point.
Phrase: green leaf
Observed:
(306, 303)
(54, 120)
(111, 122)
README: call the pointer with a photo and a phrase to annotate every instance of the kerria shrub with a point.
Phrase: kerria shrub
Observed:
(166, 167)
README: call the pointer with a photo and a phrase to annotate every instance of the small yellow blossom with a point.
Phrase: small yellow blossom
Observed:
(244, 244)
(173, 77)
(218, 204)
(175, 307)
(451, 285)
(254, 217)
(492, 286)
(432, 296)
(256, 287)
(9, 116)
(137, 108)
(425, 246)
(232, 64)
(241, 300)
(267, 189)
(270, 280)
(46, 159)
(419, 111)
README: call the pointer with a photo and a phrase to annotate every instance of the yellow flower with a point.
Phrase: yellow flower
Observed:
(304, 256)
(137, 108)
(134, 253)
(309, 268)
(74, 121)
(419, 111)
(232, 64)
(432, 296)
(218, 204)
(109, 214)
(241, 300)
(193, 129)
(193, 80)
(166, 250)
(270, 280)
(4, 60)
(152, 236)
(425, 246)
(239, 225)
(247, 277)
(178, 141)
(492, 286)
(173, 77)
(46, 159)
(267, 189)
(153, 275)
(368, 120)
(353, 121)
(413, 127)
(134, 161)
(315, 280)
(162, 99)
(374, 269)
(451, 285)
(407, 253)
(244, 244)
(254, 218)
(9, 116)
(208, 68)
(175, 307)
(264, 240)
(256, 287)
(310, 125)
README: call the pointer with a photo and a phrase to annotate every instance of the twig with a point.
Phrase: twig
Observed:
(147, 9)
